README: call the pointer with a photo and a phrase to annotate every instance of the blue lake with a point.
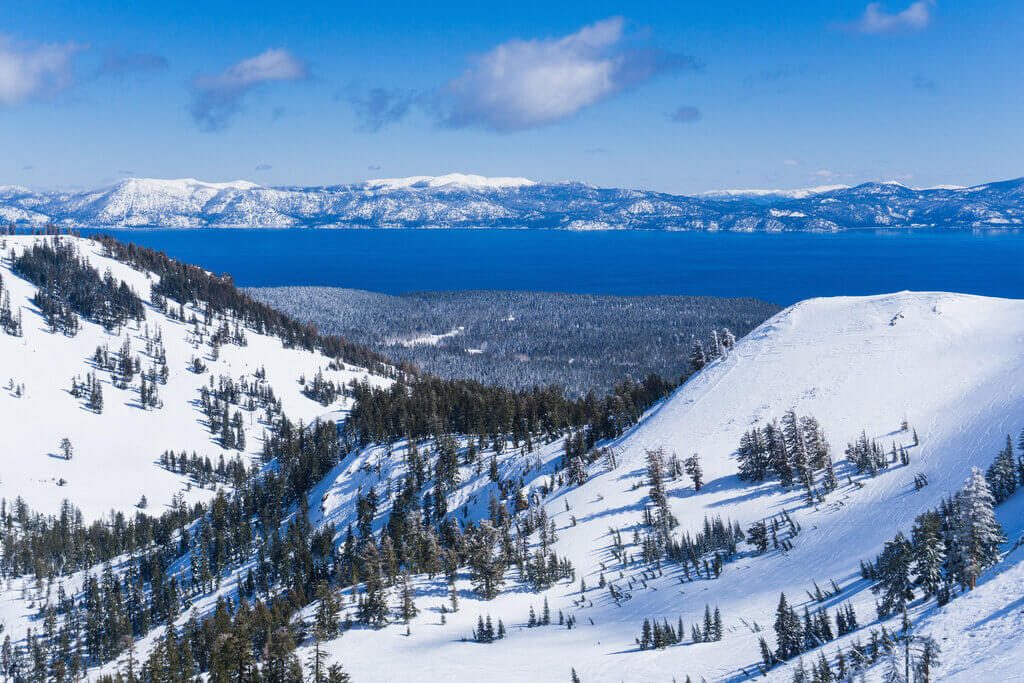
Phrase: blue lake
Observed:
(782, 268)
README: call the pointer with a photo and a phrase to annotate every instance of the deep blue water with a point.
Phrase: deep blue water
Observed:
(782, 268)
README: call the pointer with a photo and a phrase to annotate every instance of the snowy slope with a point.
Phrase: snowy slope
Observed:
(116, 452)
(949, 363)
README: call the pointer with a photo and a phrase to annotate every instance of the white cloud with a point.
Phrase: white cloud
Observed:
(218, 97)
(791, 162)
(527, 83)
(876, 20)
(34, 71)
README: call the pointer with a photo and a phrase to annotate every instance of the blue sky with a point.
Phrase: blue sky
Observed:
(675, 96)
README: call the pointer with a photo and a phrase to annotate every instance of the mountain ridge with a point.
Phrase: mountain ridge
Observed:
(470, 201)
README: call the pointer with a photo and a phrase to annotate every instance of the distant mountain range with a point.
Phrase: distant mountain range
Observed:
(467, 201)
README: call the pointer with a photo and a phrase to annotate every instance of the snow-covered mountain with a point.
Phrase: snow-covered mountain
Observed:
(881, 367)
(458, 200)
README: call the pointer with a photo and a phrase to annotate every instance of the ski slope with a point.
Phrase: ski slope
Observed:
(950, 364)
(116, 452)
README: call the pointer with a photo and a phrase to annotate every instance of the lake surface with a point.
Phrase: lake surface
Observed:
(782, 268)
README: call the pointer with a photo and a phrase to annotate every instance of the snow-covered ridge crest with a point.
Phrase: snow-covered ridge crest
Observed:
(798, 193)
(471, 201)
(456, 179)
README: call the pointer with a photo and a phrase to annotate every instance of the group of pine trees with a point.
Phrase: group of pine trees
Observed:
(10, 322)
(948, 549)
(870, 458)
(218, 398)
(202, 470)
(795, 635)
(69, 287)
(905, 656)
(721, 343)
(658, 636)
(192, 285)
(794, 450)
(422, 406)
(320, 389)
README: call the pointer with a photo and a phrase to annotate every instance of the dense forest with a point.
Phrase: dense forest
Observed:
(520, 340)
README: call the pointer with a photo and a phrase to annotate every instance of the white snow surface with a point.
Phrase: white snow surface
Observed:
(948, 363)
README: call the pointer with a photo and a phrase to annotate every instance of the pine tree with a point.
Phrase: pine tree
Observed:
(408, 606)
(694, 471)
(709, 625)
(788, 631)
(487, 568)
(326, 623)
(927, 659)
(1002, 474)
(894, 576)
(698, 359)
(977, 532)
(663, 521)
(929, 553)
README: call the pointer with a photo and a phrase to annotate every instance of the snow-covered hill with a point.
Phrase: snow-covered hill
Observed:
(471, 201)
(116, 452)
(947, 364)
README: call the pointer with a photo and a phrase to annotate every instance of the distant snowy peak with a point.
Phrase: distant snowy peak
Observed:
(451, 179)
(472, 201)
(799, 193)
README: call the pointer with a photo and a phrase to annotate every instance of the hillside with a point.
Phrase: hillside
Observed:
(467, 201)
(122, 444)
(346, 545)
(855, 364)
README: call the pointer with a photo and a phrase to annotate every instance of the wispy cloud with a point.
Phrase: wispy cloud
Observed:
(218, 97)
(528, 83)
(378, 107)
(263, 167)
(117, 64)
(877, 20)
(32, 71)
(686, 114)
(922, 82)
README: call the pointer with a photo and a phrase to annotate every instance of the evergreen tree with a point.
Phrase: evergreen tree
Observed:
(894, 576)
(978, 534)
(694, 471)
(487, 567)
(929, 553)
(1002, 474)
(788, 631)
